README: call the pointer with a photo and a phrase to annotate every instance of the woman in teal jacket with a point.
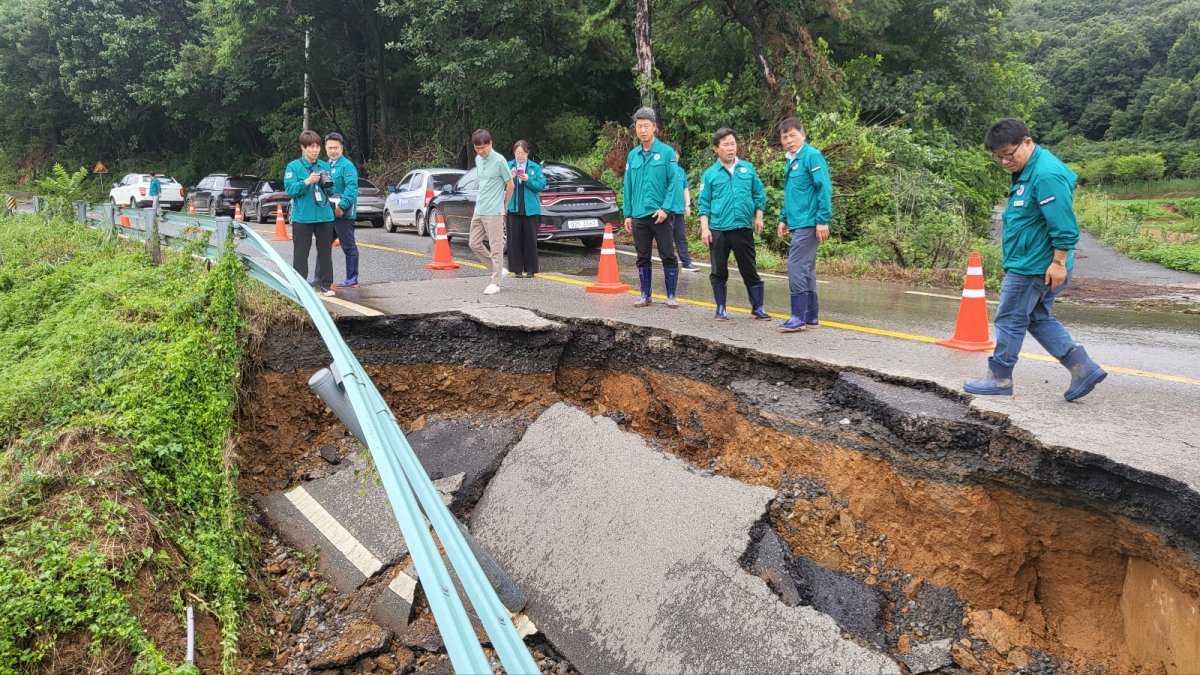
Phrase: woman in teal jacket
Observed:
(312, 216)
(524, 212)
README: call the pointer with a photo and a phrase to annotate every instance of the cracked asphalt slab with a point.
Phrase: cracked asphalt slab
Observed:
(649, 581)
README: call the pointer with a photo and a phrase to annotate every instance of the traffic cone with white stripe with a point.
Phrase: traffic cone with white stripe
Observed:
(237, 212)
(608, 279)
(971, 332)
(280, 225)
(441, 249)
(191, 208)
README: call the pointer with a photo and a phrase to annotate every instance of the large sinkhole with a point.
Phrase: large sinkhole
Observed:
(899, 511)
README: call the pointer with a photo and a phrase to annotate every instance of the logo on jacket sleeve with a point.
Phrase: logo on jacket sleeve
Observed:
(1020, 190)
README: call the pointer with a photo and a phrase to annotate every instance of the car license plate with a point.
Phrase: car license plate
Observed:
(585, 224)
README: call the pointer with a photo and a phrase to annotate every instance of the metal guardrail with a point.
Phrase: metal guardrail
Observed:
(411, 493)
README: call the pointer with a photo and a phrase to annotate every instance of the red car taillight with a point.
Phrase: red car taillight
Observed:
(547, 200)
(428, 196)
(181, 192)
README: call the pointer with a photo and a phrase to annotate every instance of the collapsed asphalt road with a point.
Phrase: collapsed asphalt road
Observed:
(954, 535)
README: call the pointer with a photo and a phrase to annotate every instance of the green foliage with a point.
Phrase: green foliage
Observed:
(1142, 167)
(1124, 228)
(95, 340)
(1189, 165)
(61, 189)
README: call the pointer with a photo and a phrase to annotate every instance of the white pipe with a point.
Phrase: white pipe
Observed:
(191, 636)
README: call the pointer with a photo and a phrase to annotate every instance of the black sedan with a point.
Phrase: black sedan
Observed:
(370, 203)
(574, 206)
(260, 201)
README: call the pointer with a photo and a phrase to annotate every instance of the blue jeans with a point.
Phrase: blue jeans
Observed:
(1025, 304)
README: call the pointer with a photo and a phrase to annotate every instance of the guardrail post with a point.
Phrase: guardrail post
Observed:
(224, 230)
(37, 205)
(110, 215)
(81, 208)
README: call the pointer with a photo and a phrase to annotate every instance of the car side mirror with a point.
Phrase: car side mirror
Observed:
(391, 189)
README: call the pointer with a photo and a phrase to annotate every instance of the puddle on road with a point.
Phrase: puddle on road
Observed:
(940, 525)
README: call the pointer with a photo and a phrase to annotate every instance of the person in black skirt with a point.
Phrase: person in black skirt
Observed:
(524, 212)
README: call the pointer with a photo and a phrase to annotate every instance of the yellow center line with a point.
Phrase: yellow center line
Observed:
(912, 337)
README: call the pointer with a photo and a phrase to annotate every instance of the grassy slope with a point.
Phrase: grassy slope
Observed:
(117, 386)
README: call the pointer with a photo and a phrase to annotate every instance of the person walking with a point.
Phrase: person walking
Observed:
(681, 210)
(731, 203)
(649, 189)
(305, 179)
(524, 212)
(344, 198)
(495, 190)
(806, 212)
(1038, 255)
(152, 243)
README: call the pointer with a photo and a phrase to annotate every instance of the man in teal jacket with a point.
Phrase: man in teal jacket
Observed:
(649, 192)
(731, 202)
(344, 197)
(312, 216)
(1038, 246)
(807, 209)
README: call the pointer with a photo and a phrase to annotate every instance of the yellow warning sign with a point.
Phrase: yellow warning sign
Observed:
(99, 168)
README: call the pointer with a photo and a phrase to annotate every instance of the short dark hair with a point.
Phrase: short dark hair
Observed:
(481, 137)
(791, 123)
(645, 113)
(1008, 131)
(721, 134)
(335, 136)
(308, 138)
(522, 144)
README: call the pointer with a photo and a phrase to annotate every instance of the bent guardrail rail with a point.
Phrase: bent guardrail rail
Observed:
(410, 491)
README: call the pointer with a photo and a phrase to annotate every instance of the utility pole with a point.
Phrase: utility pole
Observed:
(305, 80)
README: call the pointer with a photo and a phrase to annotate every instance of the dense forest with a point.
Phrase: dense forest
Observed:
(898, 93)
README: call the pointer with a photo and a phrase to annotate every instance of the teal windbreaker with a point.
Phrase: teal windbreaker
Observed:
(1040, 215)
(304, 208)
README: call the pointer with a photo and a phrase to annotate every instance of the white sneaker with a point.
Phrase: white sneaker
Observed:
(328, 292)
(491, 289)
(504, 272)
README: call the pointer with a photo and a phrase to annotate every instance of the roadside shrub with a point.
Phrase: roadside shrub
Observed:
(1144, 166)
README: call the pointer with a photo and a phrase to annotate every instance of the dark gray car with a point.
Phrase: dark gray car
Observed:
(370, 203)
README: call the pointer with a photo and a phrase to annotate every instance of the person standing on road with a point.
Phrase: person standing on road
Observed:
(312, 215)
(1038, 249)
(495, 191)
(344, 198)
(731, 203)
(524, 212)
(806, 212)
(649, 191)
(681, 210)
(155, 191)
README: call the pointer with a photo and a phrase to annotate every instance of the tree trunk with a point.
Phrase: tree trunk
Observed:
(645, 52)
(758, 41)
(381, 98)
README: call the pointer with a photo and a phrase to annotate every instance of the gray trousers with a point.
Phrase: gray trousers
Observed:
(802, 261)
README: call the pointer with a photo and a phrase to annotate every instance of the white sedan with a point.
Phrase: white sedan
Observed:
(134, 191)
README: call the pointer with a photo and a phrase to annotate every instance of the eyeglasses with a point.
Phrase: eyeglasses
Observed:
(1008, 156)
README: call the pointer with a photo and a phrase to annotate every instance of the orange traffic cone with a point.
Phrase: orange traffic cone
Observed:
(280, 225)
(971, 332)
(608, 280)
(237, 212)
(191, 208)
(125, 221)
(441, 249)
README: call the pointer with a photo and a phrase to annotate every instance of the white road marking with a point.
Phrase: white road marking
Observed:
(945, 297)
(403, 586)
(361, 309)
(342, 540)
